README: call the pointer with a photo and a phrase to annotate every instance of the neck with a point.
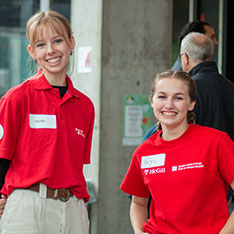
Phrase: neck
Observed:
(56, 79)
(172, 133)
(193, 64)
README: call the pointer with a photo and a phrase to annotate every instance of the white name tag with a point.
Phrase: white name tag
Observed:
(42, 121)
(156, 160)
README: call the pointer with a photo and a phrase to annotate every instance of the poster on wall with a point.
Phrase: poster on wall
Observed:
(84, 59)
(137, 119)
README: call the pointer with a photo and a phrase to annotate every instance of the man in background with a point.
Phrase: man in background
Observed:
(215, 93)
(195, 26)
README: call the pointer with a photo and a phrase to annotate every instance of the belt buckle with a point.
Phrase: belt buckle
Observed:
(61, 193)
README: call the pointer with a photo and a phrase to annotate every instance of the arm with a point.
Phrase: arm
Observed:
(228, 228)
(138, 213)
(3, 201)
(4, 166)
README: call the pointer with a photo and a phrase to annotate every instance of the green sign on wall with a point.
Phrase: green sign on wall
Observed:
(137, 119)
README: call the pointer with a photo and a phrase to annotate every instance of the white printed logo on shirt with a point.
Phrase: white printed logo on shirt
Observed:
(192, 165)
(156, 160)
(174, 168)
(146, 172)
(42, 121)
(1, 132)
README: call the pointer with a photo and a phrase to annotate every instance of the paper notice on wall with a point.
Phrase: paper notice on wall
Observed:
(138, 118)
(84, 59)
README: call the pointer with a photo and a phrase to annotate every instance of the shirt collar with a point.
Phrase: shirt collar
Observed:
(39, 82)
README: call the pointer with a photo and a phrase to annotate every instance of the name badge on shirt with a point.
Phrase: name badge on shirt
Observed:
(156, 160)
(42, 121)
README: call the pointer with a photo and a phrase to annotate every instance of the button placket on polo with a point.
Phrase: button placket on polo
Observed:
(57, 100)
(61, 114)
(62, 104)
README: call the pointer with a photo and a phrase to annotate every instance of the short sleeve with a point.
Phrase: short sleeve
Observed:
(133, 182)
(88, 143)
(9, 127)
(226, 158)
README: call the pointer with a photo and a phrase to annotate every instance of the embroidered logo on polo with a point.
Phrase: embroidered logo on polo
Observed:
(80, 132)
(42, 121)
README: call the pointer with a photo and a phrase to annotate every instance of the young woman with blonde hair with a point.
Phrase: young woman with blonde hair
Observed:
(46, 132)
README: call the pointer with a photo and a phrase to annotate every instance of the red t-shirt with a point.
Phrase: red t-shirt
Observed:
(47, 139)
(188, 179)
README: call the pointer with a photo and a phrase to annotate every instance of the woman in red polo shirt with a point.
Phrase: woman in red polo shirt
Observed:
(186, 168)
(46, 130)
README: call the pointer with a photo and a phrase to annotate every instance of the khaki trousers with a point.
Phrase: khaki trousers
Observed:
(26, 212)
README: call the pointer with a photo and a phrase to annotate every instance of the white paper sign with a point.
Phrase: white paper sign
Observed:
(84, 59)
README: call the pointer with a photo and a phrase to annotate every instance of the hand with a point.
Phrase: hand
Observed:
(3, 201)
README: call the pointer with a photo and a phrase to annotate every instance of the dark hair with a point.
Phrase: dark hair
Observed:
(195, 26)
(183, 76)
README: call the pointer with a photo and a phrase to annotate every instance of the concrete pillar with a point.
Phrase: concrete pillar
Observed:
(131, 42)
(86, 22)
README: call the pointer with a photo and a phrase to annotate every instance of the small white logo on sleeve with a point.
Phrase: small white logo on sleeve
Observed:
(42, 121)
(156, 160)
(1, 132)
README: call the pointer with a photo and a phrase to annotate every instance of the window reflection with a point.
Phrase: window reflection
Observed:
(15, 65)
(13, 53)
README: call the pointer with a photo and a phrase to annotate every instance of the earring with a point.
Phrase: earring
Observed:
(35, 61)
(71, 53)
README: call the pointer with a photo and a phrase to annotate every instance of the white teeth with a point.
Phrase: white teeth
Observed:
(53, 60)
(169, 113)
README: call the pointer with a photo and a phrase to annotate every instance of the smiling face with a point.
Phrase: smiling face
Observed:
(51, 42)
(171, 103)
(52, 51)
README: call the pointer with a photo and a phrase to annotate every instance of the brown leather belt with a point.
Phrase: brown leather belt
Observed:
(61, 194)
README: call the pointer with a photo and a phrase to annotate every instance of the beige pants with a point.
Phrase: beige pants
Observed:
(28, 213)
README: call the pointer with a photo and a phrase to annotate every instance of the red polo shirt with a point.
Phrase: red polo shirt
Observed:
(47, 139)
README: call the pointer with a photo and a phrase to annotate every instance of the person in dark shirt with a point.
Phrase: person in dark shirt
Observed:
(195, 26)
(215, 93)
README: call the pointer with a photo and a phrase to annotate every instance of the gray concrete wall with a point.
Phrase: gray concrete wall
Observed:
(131, 42)
(136, 44)
(86, 22)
